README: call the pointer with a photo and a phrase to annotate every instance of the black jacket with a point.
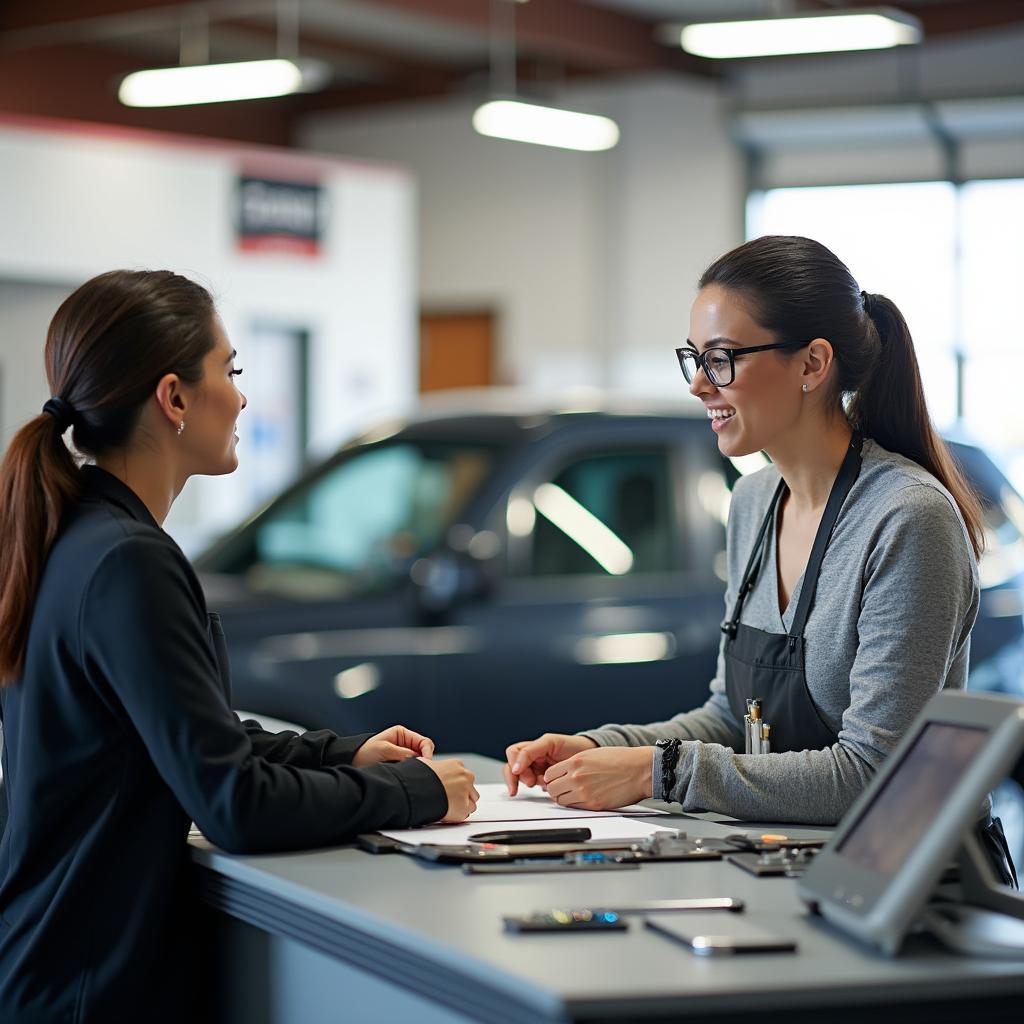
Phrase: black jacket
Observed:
(117, 735)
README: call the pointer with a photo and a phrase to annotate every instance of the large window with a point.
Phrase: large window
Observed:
(952, 260)
(991, 279)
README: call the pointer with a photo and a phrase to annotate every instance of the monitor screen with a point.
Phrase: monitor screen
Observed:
(887, 831)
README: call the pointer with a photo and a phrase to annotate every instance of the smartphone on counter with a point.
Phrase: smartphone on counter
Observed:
(716, 941)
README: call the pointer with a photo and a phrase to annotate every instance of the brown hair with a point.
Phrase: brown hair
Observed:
(108, 345)
(797, 288)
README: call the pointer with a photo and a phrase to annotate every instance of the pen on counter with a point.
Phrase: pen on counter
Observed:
(748, 725)
(533, 835)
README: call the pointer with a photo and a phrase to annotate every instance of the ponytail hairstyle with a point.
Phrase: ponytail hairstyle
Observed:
(108, 345)
(797, 288)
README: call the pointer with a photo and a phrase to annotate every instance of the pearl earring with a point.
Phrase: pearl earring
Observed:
(805, 389)
(181, 425)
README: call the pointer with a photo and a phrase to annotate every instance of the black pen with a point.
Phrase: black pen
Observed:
(533, 835)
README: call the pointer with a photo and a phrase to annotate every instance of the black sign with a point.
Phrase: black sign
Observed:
(280, 216)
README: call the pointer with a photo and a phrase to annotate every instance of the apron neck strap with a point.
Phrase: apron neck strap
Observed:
(848, 473)
(730, 626)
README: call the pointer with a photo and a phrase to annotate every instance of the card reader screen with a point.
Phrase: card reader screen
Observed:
(890, 827)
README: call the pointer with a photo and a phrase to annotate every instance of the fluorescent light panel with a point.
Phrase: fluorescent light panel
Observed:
(545, 126)
(810, 33)
(210, 83)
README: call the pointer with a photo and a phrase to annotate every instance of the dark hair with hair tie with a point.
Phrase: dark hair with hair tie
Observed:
(797, 288)
(108, 345)
(62, 412)
(868, 302)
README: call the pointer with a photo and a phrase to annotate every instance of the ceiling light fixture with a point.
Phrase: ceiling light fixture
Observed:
(545, 126)
(813, 32)
(508, 116)
(195, 80)
(210, 83)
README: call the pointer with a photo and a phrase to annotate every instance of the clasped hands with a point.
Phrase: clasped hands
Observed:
(399, 744)
(576, 772)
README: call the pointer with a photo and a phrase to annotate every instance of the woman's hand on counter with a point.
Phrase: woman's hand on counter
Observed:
(528, 760)
(395, 744)
(458, 781)
(601, 779)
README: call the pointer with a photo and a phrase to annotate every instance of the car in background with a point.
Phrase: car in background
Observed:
(486, 571)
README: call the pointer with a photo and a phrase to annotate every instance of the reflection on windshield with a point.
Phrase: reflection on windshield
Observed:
(359, 527)
(584, 528)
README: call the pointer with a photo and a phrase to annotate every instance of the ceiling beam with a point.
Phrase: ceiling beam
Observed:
(466, 81)
(968, 16)
(21, 15)
(85, 90)
(595, 38)
(361, 96)
(388, 60)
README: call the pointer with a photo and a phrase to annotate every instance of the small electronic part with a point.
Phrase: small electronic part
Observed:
(568, 920)
(580, 861)
(786, 862)
(671, 844)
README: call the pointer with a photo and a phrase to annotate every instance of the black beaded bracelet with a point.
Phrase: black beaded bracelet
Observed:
(669, 760)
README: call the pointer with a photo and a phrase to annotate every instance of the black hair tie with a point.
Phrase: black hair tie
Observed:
(63, 412)
(868, 302)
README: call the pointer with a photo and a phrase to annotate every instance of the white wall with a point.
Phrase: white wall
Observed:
(589, 259)
(73, 204)
(25, 311)
(501, 225)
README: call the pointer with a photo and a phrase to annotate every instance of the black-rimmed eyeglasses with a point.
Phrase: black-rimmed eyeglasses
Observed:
(719, 364)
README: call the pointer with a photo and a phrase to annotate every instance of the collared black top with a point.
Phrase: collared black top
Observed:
(117, 735)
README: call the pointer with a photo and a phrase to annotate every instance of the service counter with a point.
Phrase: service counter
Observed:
(343, 935)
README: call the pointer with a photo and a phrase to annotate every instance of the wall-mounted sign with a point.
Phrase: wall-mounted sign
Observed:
(280, 216)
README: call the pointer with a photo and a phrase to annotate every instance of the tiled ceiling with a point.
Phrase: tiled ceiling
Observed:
(62, 58)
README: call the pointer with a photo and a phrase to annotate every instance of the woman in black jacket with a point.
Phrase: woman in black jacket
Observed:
(115, 688)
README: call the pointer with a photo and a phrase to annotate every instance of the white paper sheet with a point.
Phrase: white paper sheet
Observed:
(533, 804)
(603, 829)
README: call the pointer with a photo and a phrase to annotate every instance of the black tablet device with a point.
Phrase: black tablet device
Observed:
(882, 864)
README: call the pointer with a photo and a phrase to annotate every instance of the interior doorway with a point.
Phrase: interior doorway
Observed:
(277, 420)
(456, 350)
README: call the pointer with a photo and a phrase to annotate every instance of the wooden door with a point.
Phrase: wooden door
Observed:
(456, 350)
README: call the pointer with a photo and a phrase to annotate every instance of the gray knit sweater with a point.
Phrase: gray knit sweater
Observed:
(890, 626)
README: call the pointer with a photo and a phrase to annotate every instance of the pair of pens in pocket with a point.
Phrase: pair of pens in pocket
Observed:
(758, 732)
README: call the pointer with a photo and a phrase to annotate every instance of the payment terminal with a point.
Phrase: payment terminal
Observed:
(875, 876)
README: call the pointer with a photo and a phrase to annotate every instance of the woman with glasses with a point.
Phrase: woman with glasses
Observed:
(853, 578)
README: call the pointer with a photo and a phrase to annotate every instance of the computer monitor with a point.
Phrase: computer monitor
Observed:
(881, 866)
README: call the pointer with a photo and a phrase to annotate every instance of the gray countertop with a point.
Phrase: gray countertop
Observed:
(439, 932)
